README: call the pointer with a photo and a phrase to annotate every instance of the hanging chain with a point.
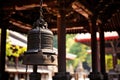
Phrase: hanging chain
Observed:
(41, 11)
(40, 22)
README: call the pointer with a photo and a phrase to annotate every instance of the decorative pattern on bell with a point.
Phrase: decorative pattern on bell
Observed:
(40, 39)
(40, 45)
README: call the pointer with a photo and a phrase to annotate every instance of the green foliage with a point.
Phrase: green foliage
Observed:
(89, 59)
(14, 50)
(109, 63)
(69, 41)
(78, 49)
(8, 49)
(118, 61)
(55, 44)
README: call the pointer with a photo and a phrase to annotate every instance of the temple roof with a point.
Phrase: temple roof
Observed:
(111, 40)
(19, 15)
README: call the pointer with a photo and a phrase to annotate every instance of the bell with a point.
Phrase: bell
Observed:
(40, 45)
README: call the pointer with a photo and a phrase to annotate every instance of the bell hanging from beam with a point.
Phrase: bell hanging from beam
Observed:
(40, 45)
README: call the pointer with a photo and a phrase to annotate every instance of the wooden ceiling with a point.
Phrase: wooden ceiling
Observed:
(19, 15)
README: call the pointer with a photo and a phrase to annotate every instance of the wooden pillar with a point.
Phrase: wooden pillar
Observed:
(61, 25)
(102, 50)
(61, 74)
(94, 44)
(3, 24)
(61, 42)
(3, 54)
(113, 44)
(95, 74)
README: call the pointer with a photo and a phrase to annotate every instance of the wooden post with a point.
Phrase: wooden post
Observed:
(3, 24)
(61, 43)
(61, 25)
(3, 53)
(113, 44)
(95, 74)
(102, 50)
(94, 44)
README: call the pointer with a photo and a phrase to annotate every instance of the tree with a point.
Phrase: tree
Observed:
(13, 52)
(109, 63)
(78, 49)
(55, 44)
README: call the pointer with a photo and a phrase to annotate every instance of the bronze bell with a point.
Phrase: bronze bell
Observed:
(40, 45)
